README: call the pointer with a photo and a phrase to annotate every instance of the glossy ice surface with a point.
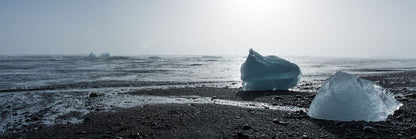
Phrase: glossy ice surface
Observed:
(345, 97)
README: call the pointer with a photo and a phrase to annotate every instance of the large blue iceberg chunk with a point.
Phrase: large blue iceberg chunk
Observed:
(268, 73)
(345, 97)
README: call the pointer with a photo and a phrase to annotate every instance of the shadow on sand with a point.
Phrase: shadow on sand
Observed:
(354, 129)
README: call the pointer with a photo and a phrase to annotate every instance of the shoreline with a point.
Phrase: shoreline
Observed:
(221, 121)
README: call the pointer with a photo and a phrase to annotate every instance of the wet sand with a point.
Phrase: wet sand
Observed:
(221, 121)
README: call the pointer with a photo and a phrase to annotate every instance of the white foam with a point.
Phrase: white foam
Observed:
(66, 106)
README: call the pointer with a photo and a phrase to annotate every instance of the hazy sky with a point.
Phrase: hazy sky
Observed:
(354, 28)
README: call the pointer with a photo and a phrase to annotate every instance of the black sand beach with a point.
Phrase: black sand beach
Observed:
(219, 121)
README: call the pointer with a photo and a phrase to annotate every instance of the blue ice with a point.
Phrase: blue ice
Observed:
(345, 97)
(268, 73)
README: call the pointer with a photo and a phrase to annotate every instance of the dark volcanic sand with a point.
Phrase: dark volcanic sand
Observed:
(219, 121)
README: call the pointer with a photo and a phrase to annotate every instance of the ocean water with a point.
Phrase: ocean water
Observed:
(20, 73)
(48, 90)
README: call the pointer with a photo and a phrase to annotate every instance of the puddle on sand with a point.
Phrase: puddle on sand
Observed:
(27, 108)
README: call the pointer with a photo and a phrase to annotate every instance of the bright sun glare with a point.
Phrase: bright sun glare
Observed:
(260, 6)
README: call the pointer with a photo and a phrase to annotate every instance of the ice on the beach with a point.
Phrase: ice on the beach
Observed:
(345, 97)
(105, 55)
(102, 55)
(268, 73)
(92, 55)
